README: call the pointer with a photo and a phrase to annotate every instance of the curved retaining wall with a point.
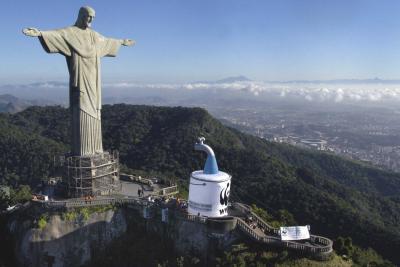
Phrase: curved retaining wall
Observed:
(221, 225)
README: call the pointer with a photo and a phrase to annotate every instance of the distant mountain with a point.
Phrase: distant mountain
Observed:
(336, 196)
(232, 79)
(12, 104)
(240, 78)
(38, 94)
(6, 98)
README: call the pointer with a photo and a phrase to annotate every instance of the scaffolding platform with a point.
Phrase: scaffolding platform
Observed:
(92, 175)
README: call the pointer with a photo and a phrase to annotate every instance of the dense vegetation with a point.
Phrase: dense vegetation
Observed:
(336, 196)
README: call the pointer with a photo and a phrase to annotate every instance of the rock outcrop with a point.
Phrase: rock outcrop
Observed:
(64, 241)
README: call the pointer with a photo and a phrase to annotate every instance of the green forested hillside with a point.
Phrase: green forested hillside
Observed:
(336, 197)
(26, 157)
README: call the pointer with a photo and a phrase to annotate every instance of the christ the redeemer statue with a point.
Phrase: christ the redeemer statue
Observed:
(82, 48)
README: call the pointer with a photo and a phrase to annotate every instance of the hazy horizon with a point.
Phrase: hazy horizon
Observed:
(231, 91)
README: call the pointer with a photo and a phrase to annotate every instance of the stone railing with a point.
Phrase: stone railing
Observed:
(80, 202)
(72, 203)
(247, 229)
(193, 218)
(167, 191)
(138, 179)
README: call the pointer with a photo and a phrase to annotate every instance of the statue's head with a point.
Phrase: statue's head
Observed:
(85, 17)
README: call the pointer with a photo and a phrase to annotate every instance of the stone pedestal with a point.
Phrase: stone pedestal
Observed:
(92, 175)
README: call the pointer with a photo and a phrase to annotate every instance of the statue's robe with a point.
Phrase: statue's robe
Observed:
(83, 49)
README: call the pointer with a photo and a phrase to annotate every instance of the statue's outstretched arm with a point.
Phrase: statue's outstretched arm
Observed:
(127, 42)
(33, 32)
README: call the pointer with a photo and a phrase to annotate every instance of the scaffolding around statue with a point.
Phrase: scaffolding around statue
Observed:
(92, 175)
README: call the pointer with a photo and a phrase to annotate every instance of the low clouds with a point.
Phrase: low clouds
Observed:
(301, 91)
(334, 93)
(309, 98)
(339, 95)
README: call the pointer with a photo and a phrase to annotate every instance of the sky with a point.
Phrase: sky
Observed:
(191, 40)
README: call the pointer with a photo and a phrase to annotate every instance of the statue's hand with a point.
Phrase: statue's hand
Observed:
(128, 42)
(33, 32)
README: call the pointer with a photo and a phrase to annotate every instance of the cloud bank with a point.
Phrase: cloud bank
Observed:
(311, 92)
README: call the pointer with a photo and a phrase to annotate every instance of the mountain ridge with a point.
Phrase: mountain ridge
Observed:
(230, 79)
(336, 196)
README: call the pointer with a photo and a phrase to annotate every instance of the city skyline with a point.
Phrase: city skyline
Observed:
(190, 41)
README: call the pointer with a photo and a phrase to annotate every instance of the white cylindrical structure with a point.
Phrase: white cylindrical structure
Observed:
(209, 193)
(209, 188)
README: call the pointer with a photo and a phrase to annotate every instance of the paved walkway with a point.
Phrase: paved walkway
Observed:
(131, 189)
